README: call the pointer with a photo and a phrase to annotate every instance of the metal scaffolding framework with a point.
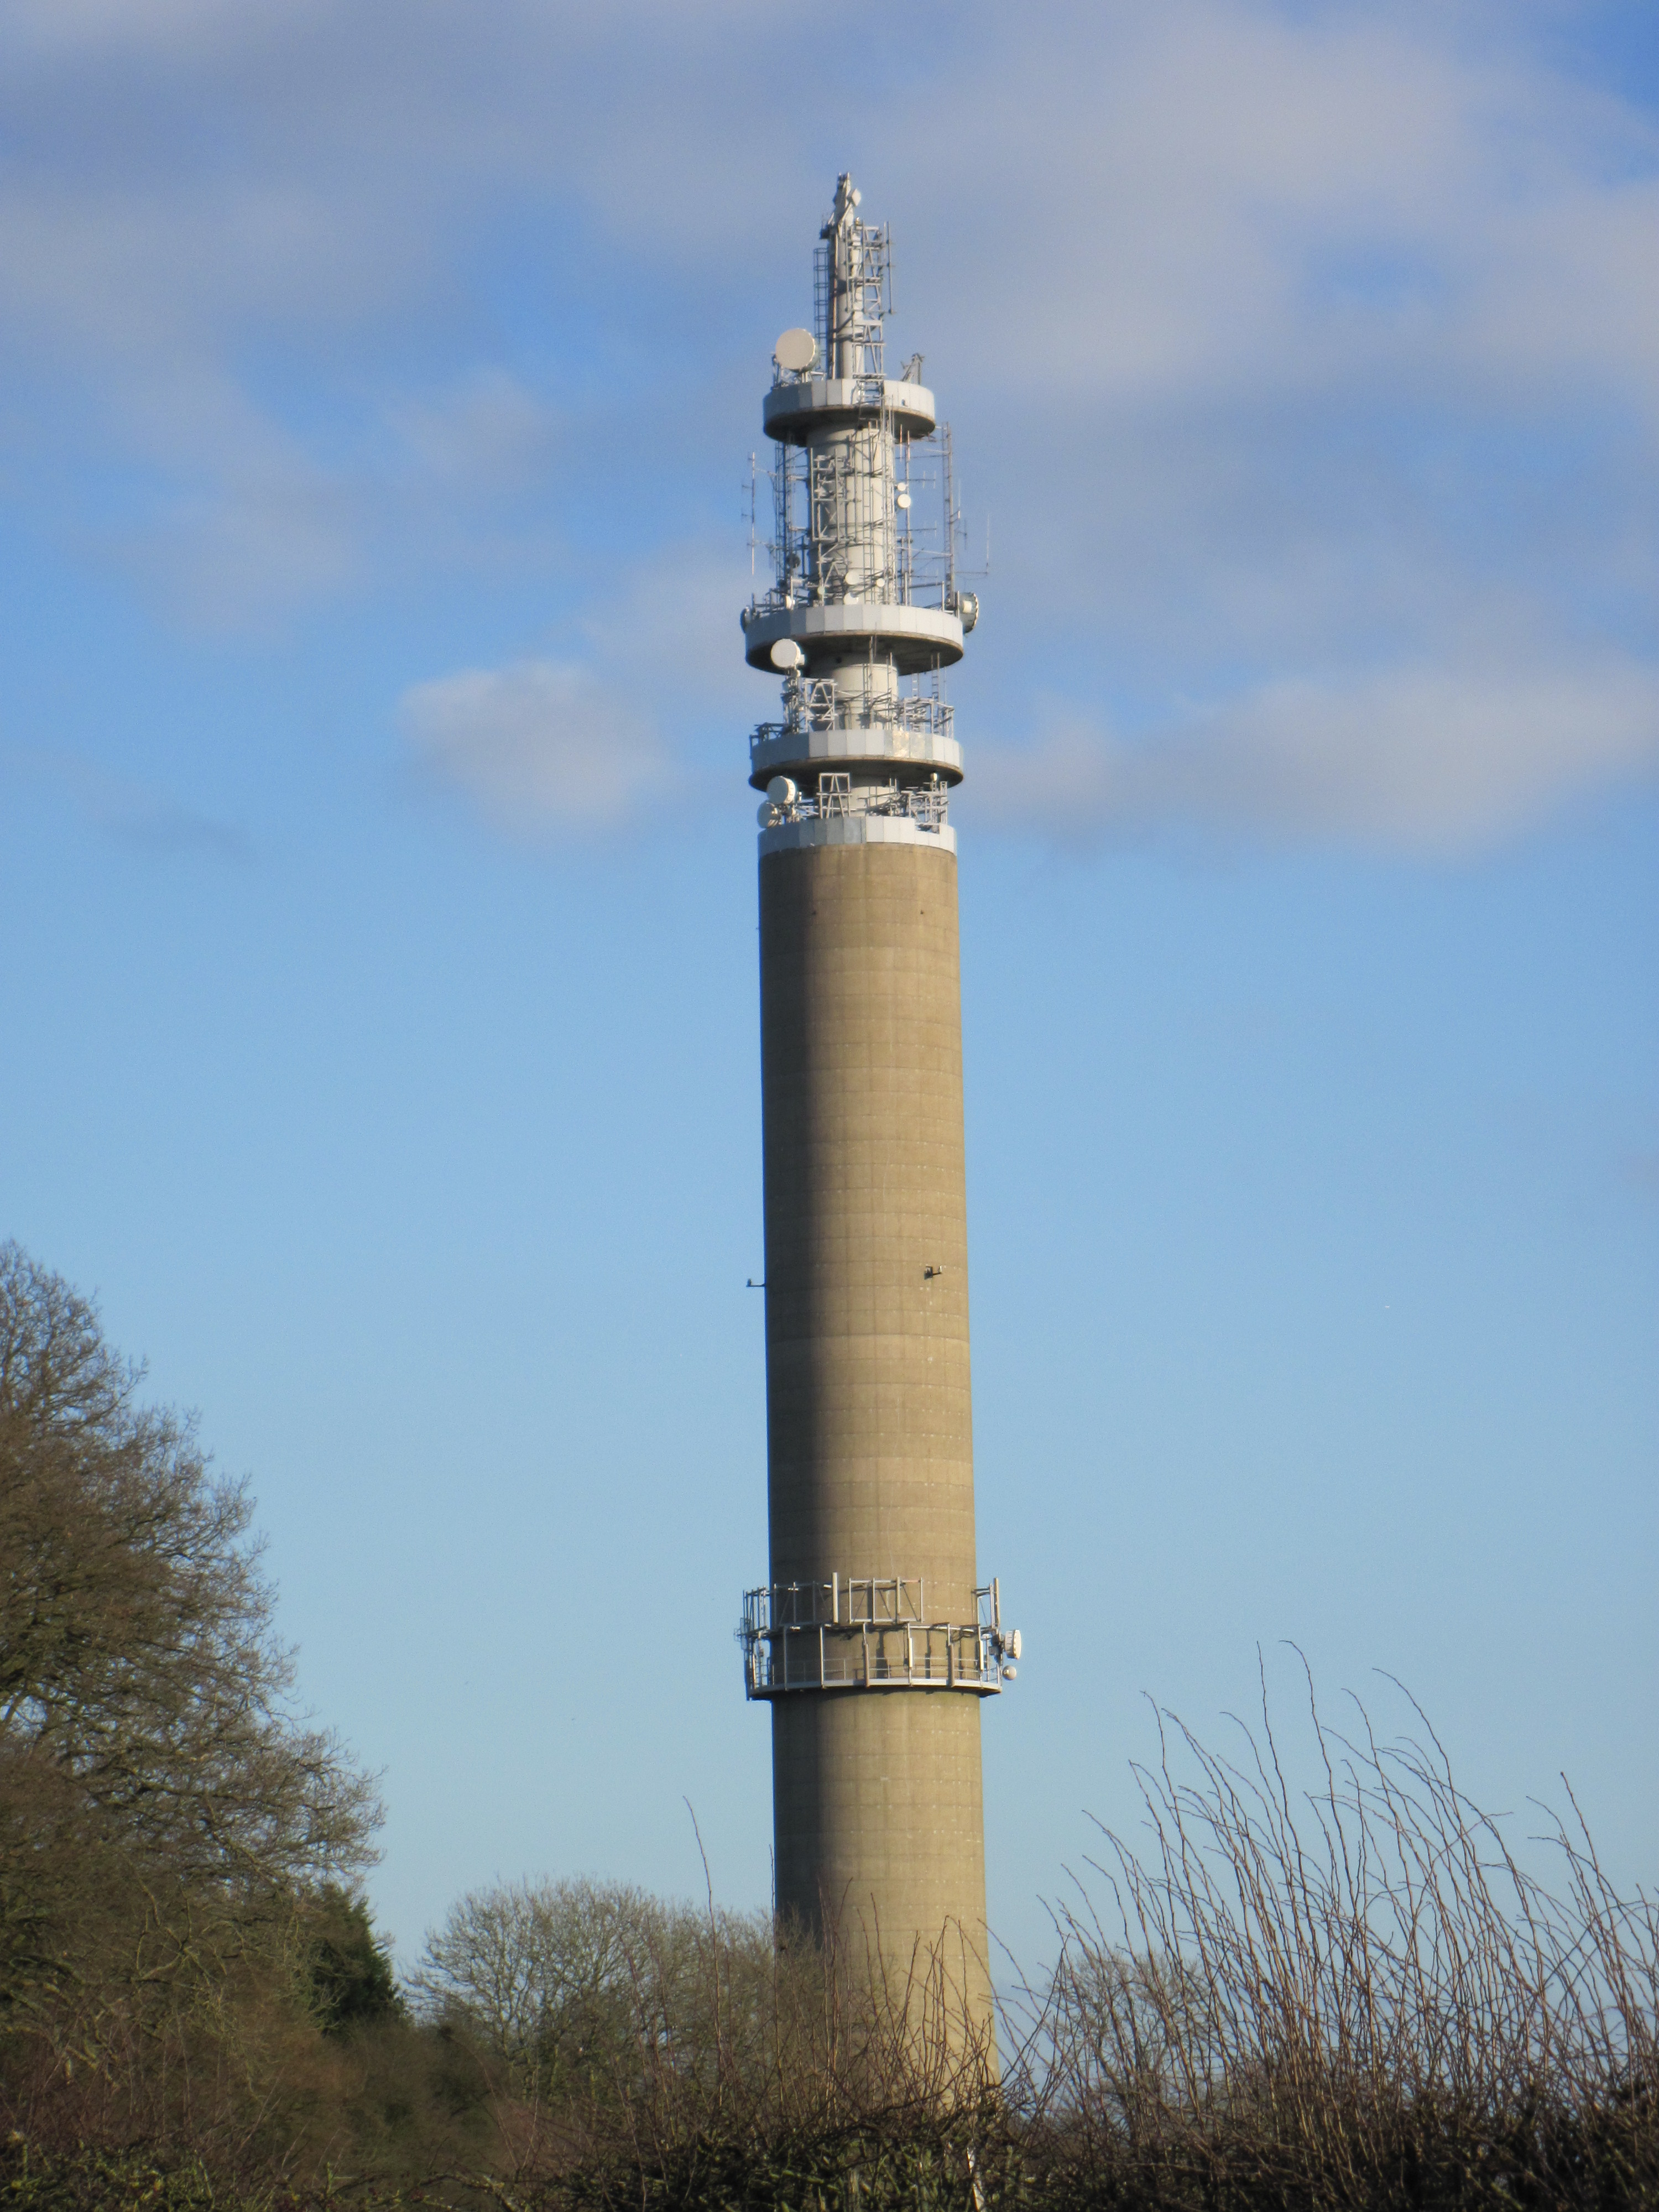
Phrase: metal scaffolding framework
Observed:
(839, 799)
(869, 1634)
(826, 505)
(819, 703)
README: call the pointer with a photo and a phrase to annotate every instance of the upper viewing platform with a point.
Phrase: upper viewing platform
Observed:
(913, 638)
(798, 405)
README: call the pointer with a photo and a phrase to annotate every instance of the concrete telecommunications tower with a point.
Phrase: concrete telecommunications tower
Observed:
(874, 1639)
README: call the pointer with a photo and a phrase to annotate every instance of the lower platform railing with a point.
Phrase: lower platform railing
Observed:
(866, 1635)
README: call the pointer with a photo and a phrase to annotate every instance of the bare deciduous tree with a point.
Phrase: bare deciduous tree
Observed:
(550, 1975)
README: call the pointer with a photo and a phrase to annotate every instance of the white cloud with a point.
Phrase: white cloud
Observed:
(540, 747)
(576, 746)
(1288, 337)
(1424, 760)
(1217, 199)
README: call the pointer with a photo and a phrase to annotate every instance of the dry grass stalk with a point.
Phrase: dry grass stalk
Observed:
(1353, 1995)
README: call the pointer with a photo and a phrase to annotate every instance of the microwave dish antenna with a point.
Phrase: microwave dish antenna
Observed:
(796, 350)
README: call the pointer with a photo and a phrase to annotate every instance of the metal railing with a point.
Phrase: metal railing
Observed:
(904, 588)
(837, 798)
(862, 1635)
(819, 705)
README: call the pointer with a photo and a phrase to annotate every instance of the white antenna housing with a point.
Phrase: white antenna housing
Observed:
(862, 616)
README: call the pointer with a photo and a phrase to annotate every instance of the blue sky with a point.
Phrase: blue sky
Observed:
(377, 866)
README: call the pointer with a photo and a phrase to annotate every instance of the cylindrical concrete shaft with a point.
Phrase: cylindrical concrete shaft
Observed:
(876, 1796)
(879, 1829)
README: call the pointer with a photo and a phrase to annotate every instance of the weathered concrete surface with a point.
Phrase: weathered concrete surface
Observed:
(877, 1811)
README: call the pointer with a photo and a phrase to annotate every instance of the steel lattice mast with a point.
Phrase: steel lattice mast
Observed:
(873, 1640)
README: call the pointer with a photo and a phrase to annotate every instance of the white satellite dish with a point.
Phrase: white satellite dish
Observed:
(786, 654)
(781, 791)
(767, 814)
(796, 349)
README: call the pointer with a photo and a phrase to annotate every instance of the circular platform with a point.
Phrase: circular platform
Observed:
(917, 638)
(877, 747)
(792, 410)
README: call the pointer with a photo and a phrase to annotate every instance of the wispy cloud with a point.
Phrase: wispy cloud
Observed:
(648, 706)
(1423, 759)
(1216, 199)
(484, 436)
(1287, 338)
(540, 747)
(132, 813)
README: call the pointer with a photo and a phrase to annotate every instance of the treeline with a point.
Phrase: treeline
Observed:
(1355, 1997)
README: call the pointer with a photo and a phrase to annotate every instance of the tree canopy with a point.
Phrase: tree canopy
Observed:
(157, 1780)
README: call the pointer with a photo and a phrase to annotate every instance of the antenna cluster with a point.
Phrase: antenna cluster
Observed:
(864, 611)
